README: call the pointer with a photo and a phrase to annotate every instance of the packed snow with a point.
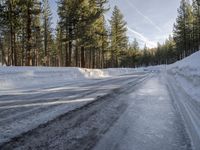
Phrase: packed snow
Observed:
(63, 89)
(13, 79)
(187, 74)
(184, 82)
(31, 96)
(149, 122)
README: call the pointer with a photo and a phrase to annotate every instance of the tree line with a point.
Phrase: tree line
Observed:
(187, 28)
(24, 30)
(84, 38)
(184, 41)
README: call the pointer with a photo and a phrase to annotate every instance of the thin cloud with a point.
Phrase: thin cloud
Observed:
(145, 17)
(139, 36)
(144, 39)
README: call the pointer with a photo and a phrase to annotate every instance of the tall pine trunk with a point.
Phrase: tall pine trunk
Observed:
(76, 56)
(15, 52)
(28, 44)
(66, 55)
(70, 46)
(2, 51)
(45, 43)
(82, 57)
(12, 59)
(93, 61)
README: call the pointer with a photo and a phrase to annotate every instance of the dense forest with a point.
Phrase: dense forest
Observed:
(83, 38)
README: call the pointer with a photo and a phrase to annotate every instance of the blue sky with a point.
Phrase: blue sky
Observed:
(149, 21)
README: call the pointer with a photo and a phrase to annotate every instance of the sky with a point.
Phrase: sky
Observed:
(149, 21)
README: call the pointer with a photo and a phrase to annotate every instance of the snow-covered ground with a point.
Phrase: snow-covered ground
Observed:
(183, 80)
(184, 84)
(16, 79)
(187, 74)
(149, 122)
(31, 96)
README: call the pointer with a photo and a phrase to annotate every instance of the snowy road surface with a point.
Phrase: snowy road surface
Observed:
(26, 110)
(132, 116)
(149, 123)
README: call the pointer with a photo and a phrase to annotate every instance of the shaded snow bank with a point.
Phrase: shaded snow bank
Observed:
(187, 74)
(12, 78)
(184, 82)
(121, 71)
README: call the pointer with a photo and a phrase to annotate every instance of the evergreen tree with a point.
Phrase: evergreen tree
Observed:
(76, 20)
(131, 55)
(119, 40)
(59, 46)
(12, 26)
(183, 29)
(2, 28)
(135, 45)
(170, 52)
(196, 25)
(48, 37)
(146, 59)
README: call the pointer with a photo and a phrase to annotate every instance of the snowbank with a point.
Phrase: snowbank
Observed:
(184, 83)
(17, 78)
(121, 71)
(32, 77)
(187, 74)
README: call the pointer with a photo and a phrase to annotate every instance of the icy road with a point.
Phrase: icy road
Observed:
(130, 112)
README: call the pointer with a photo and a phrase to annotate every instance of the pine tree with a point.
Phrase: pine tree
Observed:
(130, 58)
(146, 59)
(59, 46)
(76, 20)
(103, 41)
(2, 15)
(196, 25)
(69, 13)
(2, 28)
(119, 40)
(29, 30)
(135, 45)
(47, 32)
(12, 26)
(170, 53)
(183, 29)
(91, 12)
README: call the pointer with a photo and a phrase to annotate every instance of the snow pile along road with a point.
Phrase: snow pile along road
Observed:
(55, 92)
(187, 74)
(121, 71)
(184, 82)
(27, 78)
(12, 78)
